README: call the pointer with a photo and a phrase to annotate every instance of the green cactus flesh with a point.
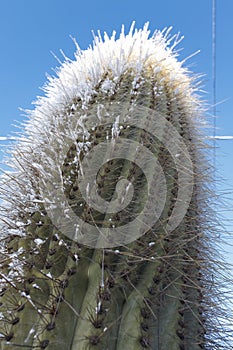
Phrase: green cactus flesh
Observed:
(58, 294)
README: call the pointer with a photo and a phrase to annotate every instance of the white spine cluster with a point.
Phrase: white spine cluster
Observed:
(108, 57)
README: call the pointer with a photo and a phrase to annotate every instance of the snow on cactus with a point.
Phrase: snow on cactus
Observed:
(108, 238)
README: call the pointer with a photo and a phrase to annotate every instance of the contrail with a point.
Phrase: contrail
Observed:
(222, 137)
(6, 138)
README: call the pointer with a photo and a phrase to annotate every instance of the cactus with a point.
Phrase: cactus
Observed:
(120, 281)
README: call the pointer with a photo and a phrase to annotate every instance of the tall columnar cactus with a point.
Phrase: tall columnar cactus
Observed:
(107, 234)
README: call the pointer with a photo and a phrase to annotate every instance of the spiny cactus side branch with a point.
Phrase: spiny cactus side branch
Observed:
(71, 286)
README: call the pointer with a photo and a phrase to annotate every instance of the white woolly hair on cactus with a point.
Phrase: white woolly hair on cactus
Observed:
(77, 80)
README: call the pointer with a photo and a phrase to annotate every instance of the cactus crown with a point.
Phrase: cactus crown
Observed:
(96, 71)
(156, 292)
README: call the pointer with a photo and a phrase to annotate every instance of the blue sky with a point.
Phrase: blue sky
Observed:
(30, 30)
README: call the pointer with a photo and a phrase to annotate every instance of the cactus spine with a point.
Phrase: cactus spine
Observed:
(153, 292)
